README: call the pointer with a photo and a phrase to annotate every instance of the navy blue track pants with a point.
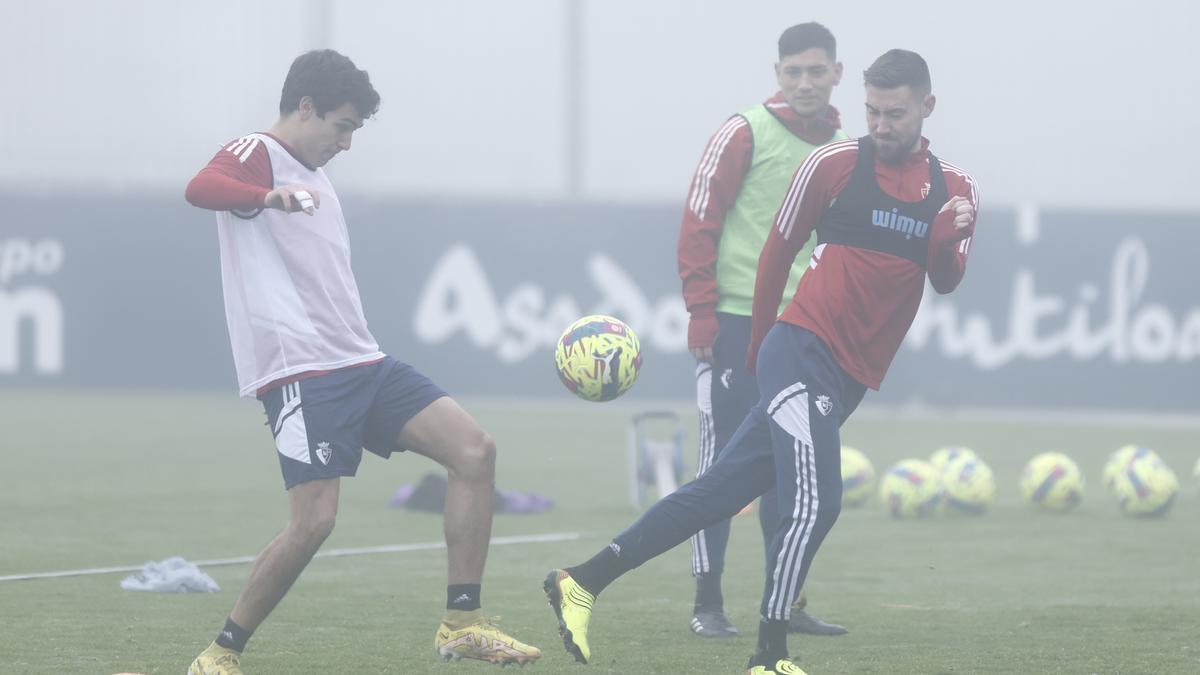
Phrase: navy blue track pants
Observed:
(789, 441)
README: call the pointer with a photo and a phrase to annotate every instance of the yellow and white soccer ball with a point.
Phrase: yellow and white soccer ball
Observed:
(1120, 460)
(1053, 482)
(858, 477)
(1145, 487)
(910, 489)
(598, 358)
(944, 456)
(968, 485)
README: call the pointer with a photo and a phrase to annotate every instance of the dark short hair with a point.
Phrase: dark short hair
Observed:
(331, 80)
(899, 68)
(805, 36)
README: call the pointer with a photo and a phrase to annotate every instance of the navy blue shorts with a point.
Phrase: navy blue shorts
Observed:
(322, 424)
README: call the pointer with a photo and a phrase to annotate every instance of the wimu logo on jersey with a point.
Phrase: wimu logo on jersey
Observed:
(892, 220)
(31, 310)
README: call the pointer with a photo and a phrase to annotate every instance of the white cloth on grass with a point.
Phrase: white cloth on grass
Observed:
(173, 575)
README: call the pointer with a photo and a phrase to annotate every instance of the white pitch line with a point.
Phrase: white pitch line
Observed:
(331, 553)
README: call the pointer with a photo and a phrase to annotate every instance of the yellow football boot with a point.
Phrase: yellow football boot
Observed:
(480, 639)
(572, 605)
(216, 660)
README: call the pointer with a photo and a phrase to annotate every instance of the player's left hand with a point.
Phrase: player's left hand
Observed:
(964, 214)
(293, 198)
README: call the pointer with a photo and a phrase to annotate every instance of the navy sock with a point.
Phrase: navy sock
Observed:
(596, 574)
(463, 597)
(772, 642)
(708, 592)
(233, 636)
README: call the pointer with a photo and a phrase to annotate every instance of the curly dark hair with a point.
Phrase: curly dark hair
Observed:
(332, 80)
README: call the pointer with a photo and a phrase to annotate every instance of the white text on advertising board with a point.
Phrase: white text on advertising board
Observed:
(458, 297)
(23, 303)
(1123, 327)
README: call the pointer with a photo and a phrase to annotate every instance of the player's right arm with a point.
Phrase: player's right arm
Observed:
(715, 186)
(238, 178)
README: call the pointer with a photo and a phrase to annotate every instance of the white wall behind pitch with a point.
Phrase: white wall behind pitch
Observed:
(1066, 103)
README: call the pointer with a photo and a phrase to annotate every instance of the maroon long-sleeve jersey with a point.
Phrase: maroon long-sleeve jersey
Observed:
(860, 298)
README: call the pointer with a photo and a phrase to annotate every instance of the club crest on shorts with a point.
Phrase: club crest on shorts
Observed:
(324, 452)
(824, 405)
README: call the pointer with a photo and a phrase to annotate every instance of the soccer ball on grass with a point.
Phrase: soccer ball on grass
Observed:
(910, 488)
(1120, 460)
(1145, 487)
(1052, 481)
(968, 484)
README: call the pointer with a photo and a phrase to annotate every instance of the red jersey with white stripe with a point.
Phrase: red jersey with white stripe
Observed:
(291, 301)
(860, 301)
(715, 187)
(237, 178)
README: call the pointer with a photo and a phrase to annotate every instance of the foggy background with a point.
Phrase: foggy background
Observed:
(529, 164)
(1066, 103)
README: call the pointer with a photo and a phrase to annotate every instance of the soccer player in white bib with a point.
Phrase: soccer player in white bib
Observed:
(301, 346)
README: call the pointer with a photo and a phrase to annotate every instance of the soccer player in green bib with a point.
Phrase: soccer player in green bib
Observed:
(742, 178)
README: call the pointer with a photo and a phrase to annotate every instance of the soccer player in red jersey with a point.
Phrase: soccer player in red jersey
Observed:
(888, 214)
(302, 347)
(742, 176)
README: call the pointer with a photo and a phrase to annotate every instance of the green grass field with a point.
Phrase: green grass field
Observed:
(92, 480)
